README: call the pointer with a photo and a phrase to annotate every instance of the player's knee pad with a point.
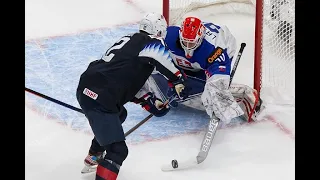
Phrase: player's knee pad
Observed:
(123, 114)
(117, 152)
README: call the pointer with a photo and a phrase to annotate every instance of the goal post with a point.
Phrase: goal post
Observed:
(274, 37)
(257, 78)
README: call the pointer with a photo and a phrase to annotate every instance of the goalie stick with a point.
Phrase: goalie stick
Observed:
(209, 135)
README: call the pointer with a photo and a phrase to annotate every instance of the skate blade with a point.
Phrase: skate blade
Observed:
(88, 169)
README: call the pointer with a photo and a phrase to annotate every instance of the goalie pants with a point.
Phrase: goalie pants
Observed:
(246, 97)
(195, 80)
(107, 130)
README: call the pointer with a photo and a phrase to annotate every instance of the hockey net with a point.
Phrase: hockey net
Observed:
(273, 44)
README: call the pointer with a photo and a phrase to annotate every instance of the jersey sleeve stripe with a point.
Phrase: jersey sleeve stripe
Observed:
(160, 53)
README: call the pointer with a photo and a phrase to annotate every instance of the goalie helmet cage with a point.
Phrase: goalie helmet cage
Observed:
(274, 40)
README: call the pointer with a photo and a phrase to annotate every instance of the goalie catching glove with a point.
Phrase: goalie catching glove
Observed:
(152, 104)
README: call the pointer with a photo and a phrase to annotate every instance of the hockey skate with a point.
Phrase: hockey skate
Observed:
(251, 115)
(259, 108)
(91, 162)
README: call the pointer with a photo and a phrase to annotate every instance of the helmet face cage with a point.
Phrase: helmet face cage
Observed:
(191, 34)
(161, 28)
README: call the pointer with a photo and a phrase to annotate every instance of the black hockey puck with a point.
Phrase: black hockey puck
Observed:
(174, 163)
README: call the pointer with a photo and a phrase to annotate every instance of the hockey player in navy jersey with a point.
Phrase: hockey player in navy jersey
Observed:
(204, 51)
(117, 78)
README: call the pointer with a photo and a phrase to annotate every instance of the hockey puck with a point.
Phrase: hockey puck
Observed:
(174, 163)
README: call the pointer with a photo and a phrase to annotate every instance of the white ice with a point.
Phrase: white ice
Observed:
(263, 151)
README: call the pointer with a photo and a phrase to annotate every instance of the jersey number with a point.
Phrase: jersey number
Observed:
(110, 52)
(213, 29)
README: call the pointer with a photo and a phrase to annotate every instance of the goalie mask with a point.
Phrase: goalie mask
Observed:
(191, 34)
(154, 24)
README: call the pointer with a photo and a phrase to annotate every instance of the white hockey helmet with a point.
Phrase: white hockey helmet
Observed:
(154, 24)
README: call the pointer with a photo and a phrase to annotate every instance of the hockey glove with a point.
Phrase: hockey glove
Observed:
(178, 88)
(154, 105)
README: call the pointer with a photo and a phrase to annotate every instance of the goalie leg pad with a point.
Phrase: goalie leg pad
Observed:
(248, 100)
(218, 100)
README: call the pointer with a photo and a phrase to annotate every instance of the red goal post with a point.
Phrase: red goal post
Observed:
(274, 32)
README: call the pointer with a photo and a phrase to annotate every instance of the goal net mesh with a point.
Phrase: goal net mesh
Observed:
(278, 39)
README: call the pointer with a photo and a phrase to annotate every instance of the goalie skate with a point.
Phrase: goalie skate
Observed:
(258, 109)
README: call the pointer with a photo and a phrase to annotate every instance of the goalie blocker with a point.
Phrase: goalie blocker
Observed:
(246, 97)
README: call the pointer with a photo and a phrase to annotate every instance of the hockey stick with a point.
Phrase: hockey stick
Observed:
(148, 117)
(80, 110)
(89, 169)
(209, 135)
(234, 68)
(53, 100)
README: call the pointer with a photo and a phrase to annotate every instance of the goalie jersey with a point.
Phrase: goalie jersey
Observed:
(211, 62)
(214, 55)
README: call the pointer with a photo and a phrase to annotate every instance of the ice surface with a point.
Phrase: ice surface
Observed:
(62, 37)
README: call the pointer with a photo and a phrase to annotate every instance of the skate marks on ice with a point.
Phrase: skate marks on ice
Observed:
(80, 49)
(237, 151)
(53, 66)
(232, 145)
(197, 120)
(178, 122)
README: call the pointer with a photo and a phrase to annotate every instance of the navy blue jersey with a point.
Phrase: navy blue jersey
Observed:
(114, 79)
